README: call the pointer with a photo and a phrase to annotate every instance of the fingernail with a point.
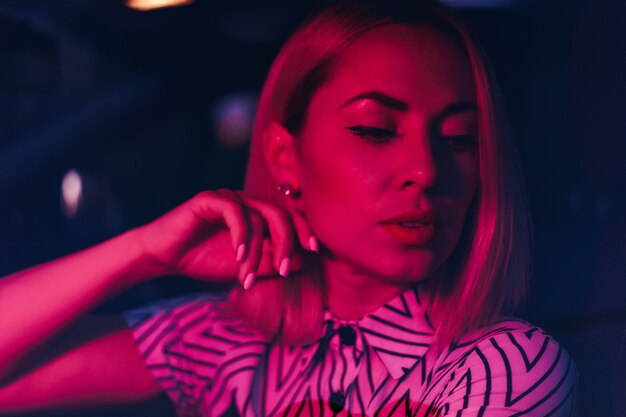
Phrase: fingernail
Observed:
(241, 250)
(247, 283)
(313, 244)
(285, 264)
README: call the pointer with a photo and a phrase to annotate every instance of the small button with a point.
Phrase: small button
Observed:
(347, 335)
(337, 401)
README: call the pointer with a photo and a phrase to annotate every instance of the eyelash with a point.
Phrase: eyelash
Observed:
(373, 135)
(379, 136)
(460, 142)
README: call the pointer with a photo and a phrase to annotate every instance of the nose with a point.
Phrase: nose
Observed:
(419, 166)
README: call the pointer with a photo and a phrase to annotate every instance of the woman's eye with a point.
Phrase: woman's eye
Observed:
(372, 134)
(460, 142)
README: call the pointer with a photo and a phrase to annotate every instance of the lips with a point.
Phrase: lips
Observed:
(413, 227)
(426, 217)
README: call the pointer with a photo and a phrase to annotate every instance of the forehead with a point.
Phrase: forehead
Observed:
(419, 64)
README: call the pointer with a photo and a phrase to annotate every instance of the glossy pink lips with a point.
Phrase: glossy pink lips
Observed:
(411, 235)
(413, 227)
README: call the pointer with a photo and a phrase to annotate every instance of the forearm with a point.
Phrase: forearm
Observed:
(39, 302)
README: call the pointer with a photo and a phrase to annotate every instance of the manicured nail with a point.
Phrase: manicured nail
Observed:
(313, 244)
(247, 283)
(285, 264)
(241, 250)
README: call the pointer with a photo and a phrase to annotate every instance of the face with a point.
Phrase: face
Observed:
(387, 159)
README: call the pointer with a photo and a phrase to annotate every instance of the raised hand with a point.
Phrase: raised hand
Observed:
(222, 235)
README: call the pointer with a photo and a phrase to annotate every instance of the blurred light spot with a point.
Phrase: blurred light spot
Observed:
(233, 117)
(71, 193)
(145, 5)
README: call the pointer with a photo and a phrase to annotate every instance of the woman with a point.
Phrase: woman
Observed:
(381, 235)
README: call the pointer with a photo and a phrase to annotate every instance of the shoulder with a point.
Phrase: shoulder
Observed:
(508, 367)
(193, 316)
(186, 342)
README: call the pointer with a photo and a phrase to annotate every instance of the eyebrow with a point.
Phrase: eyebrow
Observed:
(397, 104)
(382, 98)
(458, 107)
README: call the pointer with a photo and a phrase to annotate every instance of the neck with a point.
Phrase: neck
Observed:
(352, 294)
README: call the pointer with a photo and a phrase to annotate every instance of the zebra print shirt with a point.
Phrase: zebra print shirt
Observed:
(380, 365)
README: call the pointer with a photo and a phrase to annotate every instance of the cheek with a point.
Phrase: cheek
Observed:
(458, 174)
(336, 183)
(467, 184)
(471, 178)
(459, 183)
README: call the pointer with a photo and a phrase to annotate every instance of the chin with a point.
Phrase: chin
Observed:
(402, 269)
(418, 263)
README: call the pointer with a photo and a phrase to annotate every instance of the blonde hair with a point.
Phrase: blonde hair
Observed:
(488, 270)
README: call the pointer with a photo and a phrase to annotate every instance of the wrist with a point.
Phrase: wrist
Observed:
(141, 266)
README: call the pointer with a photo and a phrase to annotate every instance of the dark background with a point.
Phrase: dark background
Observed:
(151, 107)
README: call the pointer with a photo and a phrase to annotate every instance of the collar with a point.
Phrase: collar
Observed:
(399, 331)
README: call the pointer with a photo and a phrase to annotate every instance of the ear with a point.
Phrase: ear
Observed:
(279, 150)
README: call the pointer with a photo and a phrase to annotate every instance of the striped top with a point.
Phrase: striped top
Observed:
(380, 365)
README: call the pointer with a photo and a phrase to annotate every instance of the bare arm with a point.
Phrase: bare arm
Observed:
(95, 362)
(40, 302)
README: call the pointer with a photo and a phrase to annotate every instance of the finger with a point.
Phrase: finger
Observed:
(305, 234)
(281, 232)
(250, 265)
(266, 266)
(235, 217)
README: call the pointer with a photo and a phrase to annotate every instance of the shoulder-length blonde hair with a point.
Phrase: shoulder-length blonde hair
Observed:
(488, 270)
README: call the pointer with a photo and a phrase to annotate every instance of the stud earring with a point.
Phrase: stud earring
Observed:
(286, 189)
